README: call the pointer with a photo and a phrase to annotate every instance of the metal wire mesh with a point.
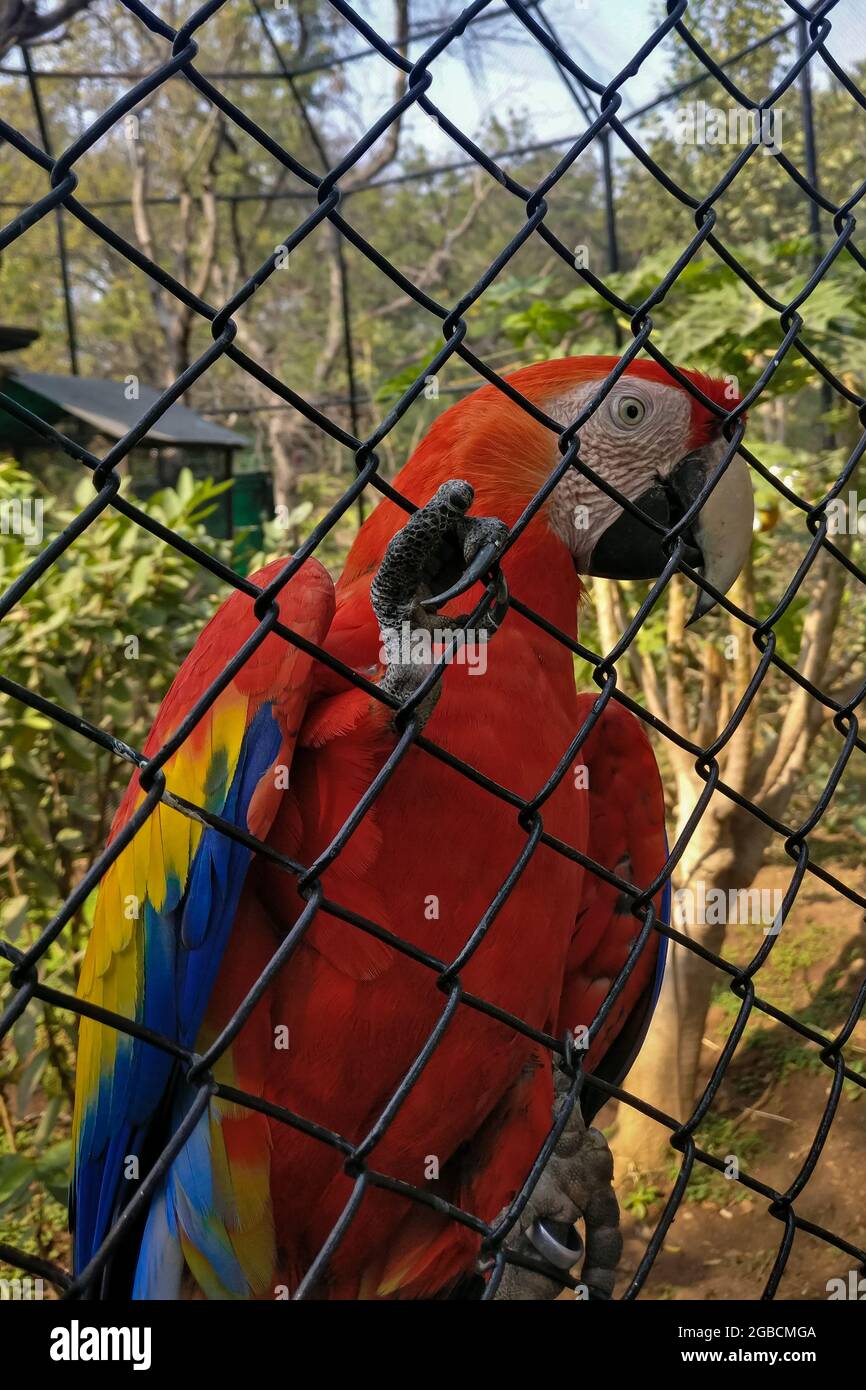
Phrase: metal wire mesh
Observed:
(360, 1158)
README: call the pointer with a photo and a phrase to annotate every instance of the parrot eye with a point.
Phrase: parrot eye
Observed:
(630, 410)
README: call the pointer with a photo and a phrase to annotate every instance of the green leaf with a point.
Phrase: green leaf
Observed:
(16, 1175)
(69, 838)
(29, 1081)
(139, 580)
(13, 915)
(24, 1033)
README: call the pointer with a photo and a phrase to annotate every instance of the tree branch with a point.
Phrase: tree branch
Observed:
(804, 714)
(438, 263)
(20, 22)
(391, 144)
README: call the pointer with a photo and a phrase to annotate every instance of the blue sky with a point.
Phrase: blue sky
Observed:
(501, 70)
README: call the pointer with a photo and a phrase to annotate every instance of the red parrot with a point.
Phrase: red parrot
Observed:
(187, 919)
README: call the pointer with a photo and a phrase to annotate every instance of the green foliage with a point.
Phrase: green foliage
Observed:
(19, 1171)
(102, 633)
(33, 1187)
(720, 1136)
(317, 494)
(641, 1199)
(711, 320)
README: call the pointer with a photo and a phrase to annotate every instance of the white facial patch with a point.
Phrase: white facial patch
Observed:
(638, 434)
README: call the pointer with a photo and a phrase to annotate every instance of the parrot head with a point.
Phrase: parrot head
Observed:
(649, 439)
(658, 446)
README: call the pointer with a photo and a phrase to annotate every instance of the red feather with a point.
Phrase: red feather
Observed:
(425, 864)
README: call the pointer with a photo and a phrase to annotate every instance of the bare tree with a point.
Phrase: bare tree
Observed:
(22, 21)
(285, 430)
(194, 241)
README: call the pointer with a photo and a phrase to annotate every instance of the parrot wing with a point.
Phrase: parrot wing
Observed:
(166, 905)
(627, 836)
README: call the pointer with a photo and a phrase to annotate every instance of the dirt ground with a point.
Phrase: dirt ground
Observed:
(722, 1243)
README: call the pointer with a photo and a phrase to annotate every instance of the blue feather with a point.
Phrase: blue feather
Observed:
(160, 1262)
(183, 950)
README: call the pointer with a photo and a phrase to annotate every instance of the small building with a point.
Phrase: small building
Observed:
(13, 338)
(96, 412)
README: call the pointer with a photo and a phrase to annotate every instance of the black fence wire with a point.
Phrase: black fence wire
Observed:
(601, 104)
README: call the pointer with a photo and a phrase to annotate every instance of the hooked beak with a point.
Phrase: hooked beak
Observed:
(717, 542)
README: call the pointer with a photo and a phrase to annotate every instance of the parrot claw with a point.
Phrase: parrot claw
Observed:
(556, 1242)
(440, 553)
(576, 1183)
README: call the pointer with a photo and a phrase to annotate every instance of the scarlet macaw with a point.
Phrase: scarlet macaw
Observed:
(285, 752)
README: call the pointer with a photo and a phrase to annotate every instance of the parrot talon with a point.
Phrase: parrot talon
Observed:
(438, 554)
(556, 1242)
(483, 559)
(576, 1183)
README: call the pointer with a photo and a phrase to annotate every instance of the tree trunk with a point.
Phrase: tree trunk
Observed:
(764, 761)
(725, 852)
(282, 429)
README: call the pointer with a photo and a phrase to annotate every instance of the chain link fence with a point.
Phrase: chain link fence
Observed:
(605, 101)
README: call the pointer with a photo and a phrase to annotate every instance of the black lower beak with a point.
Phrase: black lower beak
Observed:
(630, 549)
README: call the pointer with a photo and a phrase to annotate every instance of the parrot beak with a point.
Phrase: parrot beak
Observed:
(717, 543)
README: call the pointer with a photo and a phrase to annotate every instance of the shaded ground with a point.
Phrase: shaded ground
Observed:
(723, 1242)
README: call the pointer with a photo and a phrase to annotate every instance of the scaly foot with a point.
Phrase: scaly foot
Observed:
(577, 1182)
(438, 546)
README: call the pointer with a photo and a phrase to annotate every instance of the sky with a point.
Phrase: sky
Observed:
(502, 69)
